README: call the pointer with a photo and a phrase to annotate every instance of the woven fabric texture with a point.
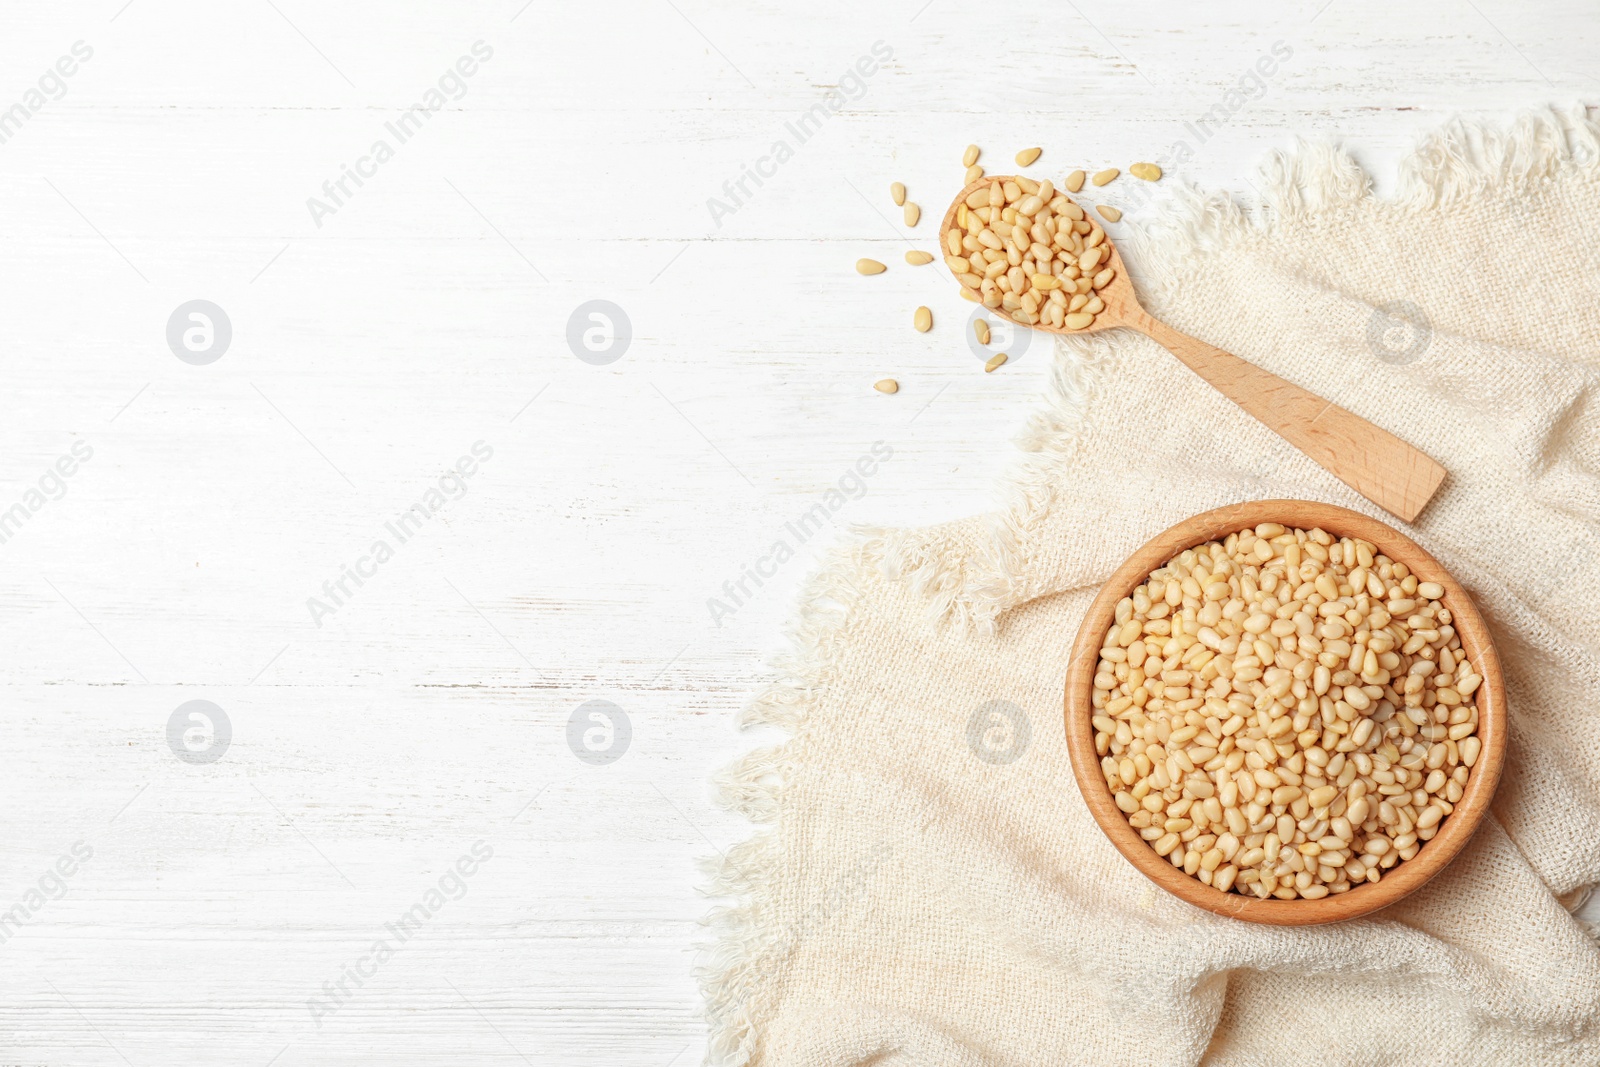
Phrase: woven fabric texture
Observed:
(928, 887)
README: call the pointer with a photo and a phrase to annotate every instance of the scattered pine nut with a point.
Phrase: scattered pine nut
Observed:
(974, 172)
(968, 294)
(970, 156)
(913, 214)
(1110, 214)
(917, 258)
(1075, 181)
(869, 266)
(1105, 176)
(923, 320)
(1291, 752)
(981, 328)
(1026, 157)
(995, 362)
(898, 192)
(886, 385)
(1148, 171)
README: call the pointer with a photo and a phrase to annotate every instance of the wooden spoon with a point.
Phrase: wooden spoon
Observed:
(1375, 463)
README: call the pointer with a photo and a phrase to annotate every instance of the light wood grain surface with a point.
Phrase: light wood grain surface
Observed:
(376, 340)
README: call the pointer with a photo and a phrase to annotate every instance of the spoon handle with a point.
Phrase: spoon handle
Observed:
(1375, 463)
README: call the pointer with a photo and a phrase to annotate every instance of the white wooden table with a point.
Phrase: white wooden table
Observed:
(377, 339)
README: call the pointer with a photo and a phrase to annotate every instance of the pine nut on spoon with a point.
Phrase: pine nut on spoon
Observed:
(1372, 461)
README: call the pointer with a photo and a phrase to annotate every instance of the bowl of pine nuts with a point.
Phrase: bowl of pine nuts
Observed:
(1285, 712)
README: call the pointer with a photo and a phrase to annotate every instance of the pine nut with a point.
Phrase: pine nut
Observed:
(913, 214)
(869, 266)
(1346, 757)
(981, 328)
(1322, 796)
(897, 192)
(1148, 171)
(970, 156)
(1105, 176)
(918, 258)
(923, 319)
(886, 385)
(974, 172)
(996, 361)
(1110, 214)
(1074, 181)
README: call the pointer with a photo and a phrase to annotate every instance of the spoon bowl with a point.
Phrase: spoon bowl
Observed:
(1118, 294)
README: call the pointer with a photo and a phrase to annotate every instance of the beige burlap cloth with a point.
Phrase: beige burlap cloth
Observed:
(929, 887)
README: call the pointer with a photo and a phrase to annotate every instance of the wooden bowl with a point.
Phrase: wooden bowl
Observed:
(1404, 877)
